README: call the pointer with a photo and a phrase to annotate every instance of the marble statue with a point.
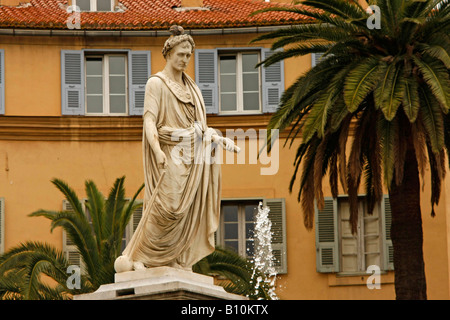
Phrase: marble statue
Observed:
(182, 189)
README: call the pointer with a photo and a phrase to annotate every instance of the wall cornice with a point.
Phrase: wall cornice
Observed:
(83, 128)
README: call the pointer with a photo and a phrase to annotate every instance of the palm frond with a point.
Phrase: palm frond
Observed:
(361, 80)
(436, 75)
(432, 118)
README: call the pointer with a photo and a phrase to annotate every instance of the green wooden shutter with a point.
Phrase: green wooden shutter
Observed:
(2, 225)
(2, 81)
(388, 248)
(206, 78)
(69, 249)
(133, 223)
(135, 219)
(72, 82)
(277, 216)
(315, 58)
(139, 70)
(327, 250)
(272, 83)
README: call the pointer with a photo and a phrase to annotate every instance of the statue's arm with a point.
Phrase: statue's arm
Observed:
(151, 110)
(224, 142)
(151, 134)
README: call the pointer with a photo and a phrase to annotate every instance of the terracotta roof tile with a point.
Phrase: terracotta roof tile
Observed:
(148, 15)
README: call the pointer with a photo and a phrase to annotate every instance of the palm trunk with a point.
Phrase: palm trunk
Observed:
(406, 233)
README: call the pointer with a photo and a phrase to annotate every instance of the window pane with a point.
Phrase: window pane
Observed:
(85, 5)
(249, 61)
(373, 259)
(94, 85)
(228, 64)
(228, 83)
(230, 213)
(228, 102)
(103, 5)
(371, 227)
(250, 248)
(94, 104)
(250, 212)
(231, 231)
(232, 245)
(249, 230)
(349, 264)
(117, 104)
(94, 66)
(251, 101)
(251, 82)
(371, 244)
(117, 65)
(117, 84)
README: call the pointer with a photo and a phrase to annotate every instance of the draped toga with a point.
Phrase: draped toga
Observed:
(180, 224)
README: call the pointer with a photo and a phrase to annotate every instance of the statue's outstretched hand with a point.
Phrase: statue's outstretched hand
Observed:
(227, 144)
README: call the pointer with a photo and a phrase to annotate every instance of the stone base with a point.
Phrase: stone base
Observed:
(162, 283)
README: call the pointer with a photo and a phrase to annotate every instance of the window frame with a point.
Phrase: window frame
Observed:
(239, 82)
(105, 84)
(93, 6)
(361, 236)
(328, 237)
(242, 239)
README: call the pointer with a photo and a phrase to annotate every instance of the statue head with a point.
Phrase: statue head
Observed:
(178, 37)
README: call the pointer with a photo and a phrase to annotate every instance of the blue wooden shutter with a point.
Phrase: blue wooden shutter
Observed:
(327, 250)
(388, 248)
(272, 83)
(277, 216)
(206, 78)
(2, 81)
(72, 82)
(139, 67)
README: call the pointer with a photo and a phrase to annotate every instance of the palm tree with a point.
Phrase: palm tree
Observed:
(391, 86)
(98, 241)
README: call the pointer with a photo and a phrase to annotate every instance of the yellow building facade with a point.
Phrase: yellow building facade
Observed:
(38, 142)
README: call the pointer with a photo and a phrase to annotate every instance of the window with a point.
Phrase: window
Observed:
(239, 83)
(363, 249)
(230, 83)
(237, 224)
(106, 84)
(94, 5)
(341, 251)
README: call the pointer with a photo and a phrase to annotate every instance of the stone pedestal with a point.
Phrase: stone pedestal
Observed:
(162, 283)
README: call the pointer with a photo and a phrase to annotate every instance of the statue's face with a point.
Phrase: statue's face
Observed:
(179, 57)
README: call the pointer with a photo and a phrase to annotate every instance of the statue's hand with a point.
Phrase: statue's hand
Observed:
(161, 159)
(227, 144)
